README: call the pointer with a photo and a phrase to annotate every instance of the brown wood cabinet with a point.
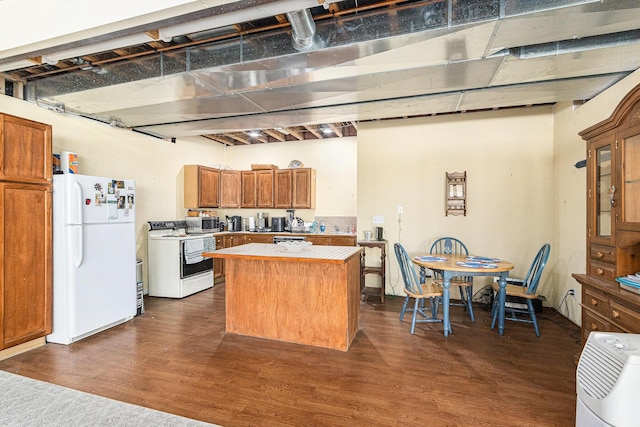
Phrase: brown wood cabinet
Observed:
(230, 188)
(257, 189)
(218, 264)
(304, 189)
(295, 188)
(282, 185)
(258, 238)
(25, 231)
(249, 192)
(201, 187)
(613, 220)
(264, 179)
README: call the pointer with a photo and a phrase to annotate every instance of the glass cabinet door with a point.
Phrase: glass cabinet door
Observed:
(603, 191)
(630, 182)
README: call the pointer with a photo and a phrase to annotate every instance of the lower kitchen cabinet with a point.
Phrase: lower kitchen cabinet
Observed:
(218, 264)
(26, 279)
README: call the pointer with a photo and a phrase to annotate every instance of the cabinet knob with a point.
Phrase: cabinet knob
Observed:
(594, 327)
(599, 254)
(615, 314)
(599, 271)
(594, 302)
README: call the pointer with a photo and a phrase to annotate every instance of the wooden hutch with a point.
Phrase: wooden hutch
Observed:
(613, 220)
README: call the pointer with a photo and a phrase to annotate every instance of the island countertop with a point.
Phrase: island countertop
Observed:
(324, 254)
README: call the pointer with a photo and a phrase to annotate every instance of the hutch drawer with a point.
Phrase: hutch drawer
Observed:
(602, 253)
(626, 317)
(595, 301)
(608, 271)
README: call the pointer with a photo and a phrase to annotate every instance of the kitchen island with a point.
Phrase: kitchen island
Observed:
(307, 296)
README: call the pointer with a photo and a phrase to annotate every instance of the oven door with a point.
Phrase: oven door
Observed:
(191, 260)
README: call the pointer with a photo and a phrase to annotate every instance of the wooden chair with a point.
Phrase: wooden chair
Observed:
(421, 292)
(453, 246)
(524, 290)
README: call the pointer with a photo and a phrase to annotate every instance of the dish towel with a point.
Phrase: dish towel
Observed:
(193, 251)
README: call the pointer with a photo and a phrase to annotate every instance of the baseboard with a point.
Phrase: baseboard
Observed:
(21, 348)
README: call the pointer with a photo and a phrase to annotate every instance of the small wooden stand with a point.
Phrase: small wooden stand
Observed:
(380, 271)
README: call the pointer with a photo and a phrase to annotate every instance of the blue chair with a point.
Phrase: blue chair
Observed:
(421, 292)
(524, 290)
(453, 246)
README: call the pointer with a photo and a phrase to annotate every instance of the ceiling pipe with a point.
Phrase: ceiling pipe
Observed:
(303, 29)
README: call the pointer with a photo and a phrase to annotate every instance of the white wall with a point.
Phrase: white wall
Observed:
(336, 172)
(508, 159)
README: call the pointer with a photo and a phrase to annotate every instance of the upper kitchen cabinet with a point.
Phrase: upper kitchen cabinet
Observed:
(201, 187)
(249, 189)
(25, 150)
(282, 184)
(304, 188)
(295, 188)
(257, 189)
(230, 188)
(264, 193)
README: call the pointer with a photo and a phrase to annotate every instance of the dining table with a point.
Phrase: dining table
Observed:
(450, 266)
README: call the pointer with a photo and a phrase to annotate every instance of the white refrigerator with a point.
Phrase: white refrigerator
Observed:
(94, 255)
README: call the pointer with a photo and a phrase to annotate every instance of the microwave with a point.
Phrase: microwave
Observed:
(210, 223)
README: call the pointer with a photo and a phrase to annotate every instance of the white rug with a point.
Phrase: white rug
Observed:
(28, 402)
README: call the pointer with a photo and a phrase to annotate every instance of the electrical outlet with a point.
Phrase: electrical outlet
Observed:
(378, 219)
(571, 292)
(400, 209)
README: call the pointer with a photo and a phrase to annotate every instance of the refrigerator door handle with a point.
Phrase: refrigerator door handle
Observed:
(76, 204)
(77, 245)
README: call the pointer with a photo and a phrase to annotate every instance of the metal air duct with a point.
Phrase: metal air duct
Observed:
(303, 29)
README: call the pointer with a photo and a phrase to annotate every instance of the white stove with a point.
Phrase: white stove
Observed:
(176, 266)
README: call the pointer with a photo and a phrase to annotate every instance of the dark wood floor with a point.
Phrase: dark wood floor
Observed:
(177, 358)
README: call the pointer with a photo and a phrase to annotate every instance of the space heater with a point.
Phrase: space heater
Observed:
(608, 380)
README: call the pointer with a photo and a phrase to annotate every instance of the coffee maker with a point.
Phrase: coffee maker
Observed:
(263, 221)
(235, 223)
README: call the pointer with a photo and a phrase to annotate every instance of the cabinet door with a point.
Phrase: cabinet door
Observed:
(601, 191)
(209, 189)
(230, 188)
(201, 187)
(249, 189)
(26, 263)
(629, 204)
(218, 264)
(282, 188)
(304, 188)
(25, 150)
(265, 188)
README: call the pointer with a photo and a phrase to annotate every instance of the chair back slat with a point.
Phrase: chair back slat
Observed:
(532, 279)
(449, 246)
(409, 274)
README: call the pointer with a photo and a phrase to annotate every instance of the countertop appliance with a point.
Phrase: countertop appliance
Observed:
(176, 266)
(278, 224)
(607, 380)
(235, 223)
(94, 255)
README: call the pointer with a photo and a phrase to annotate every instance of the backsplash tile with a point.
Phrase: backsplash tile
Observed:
(344, 223)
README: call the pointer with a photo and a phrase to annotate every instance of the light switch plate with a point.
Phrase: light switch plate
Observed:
(378, 219)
